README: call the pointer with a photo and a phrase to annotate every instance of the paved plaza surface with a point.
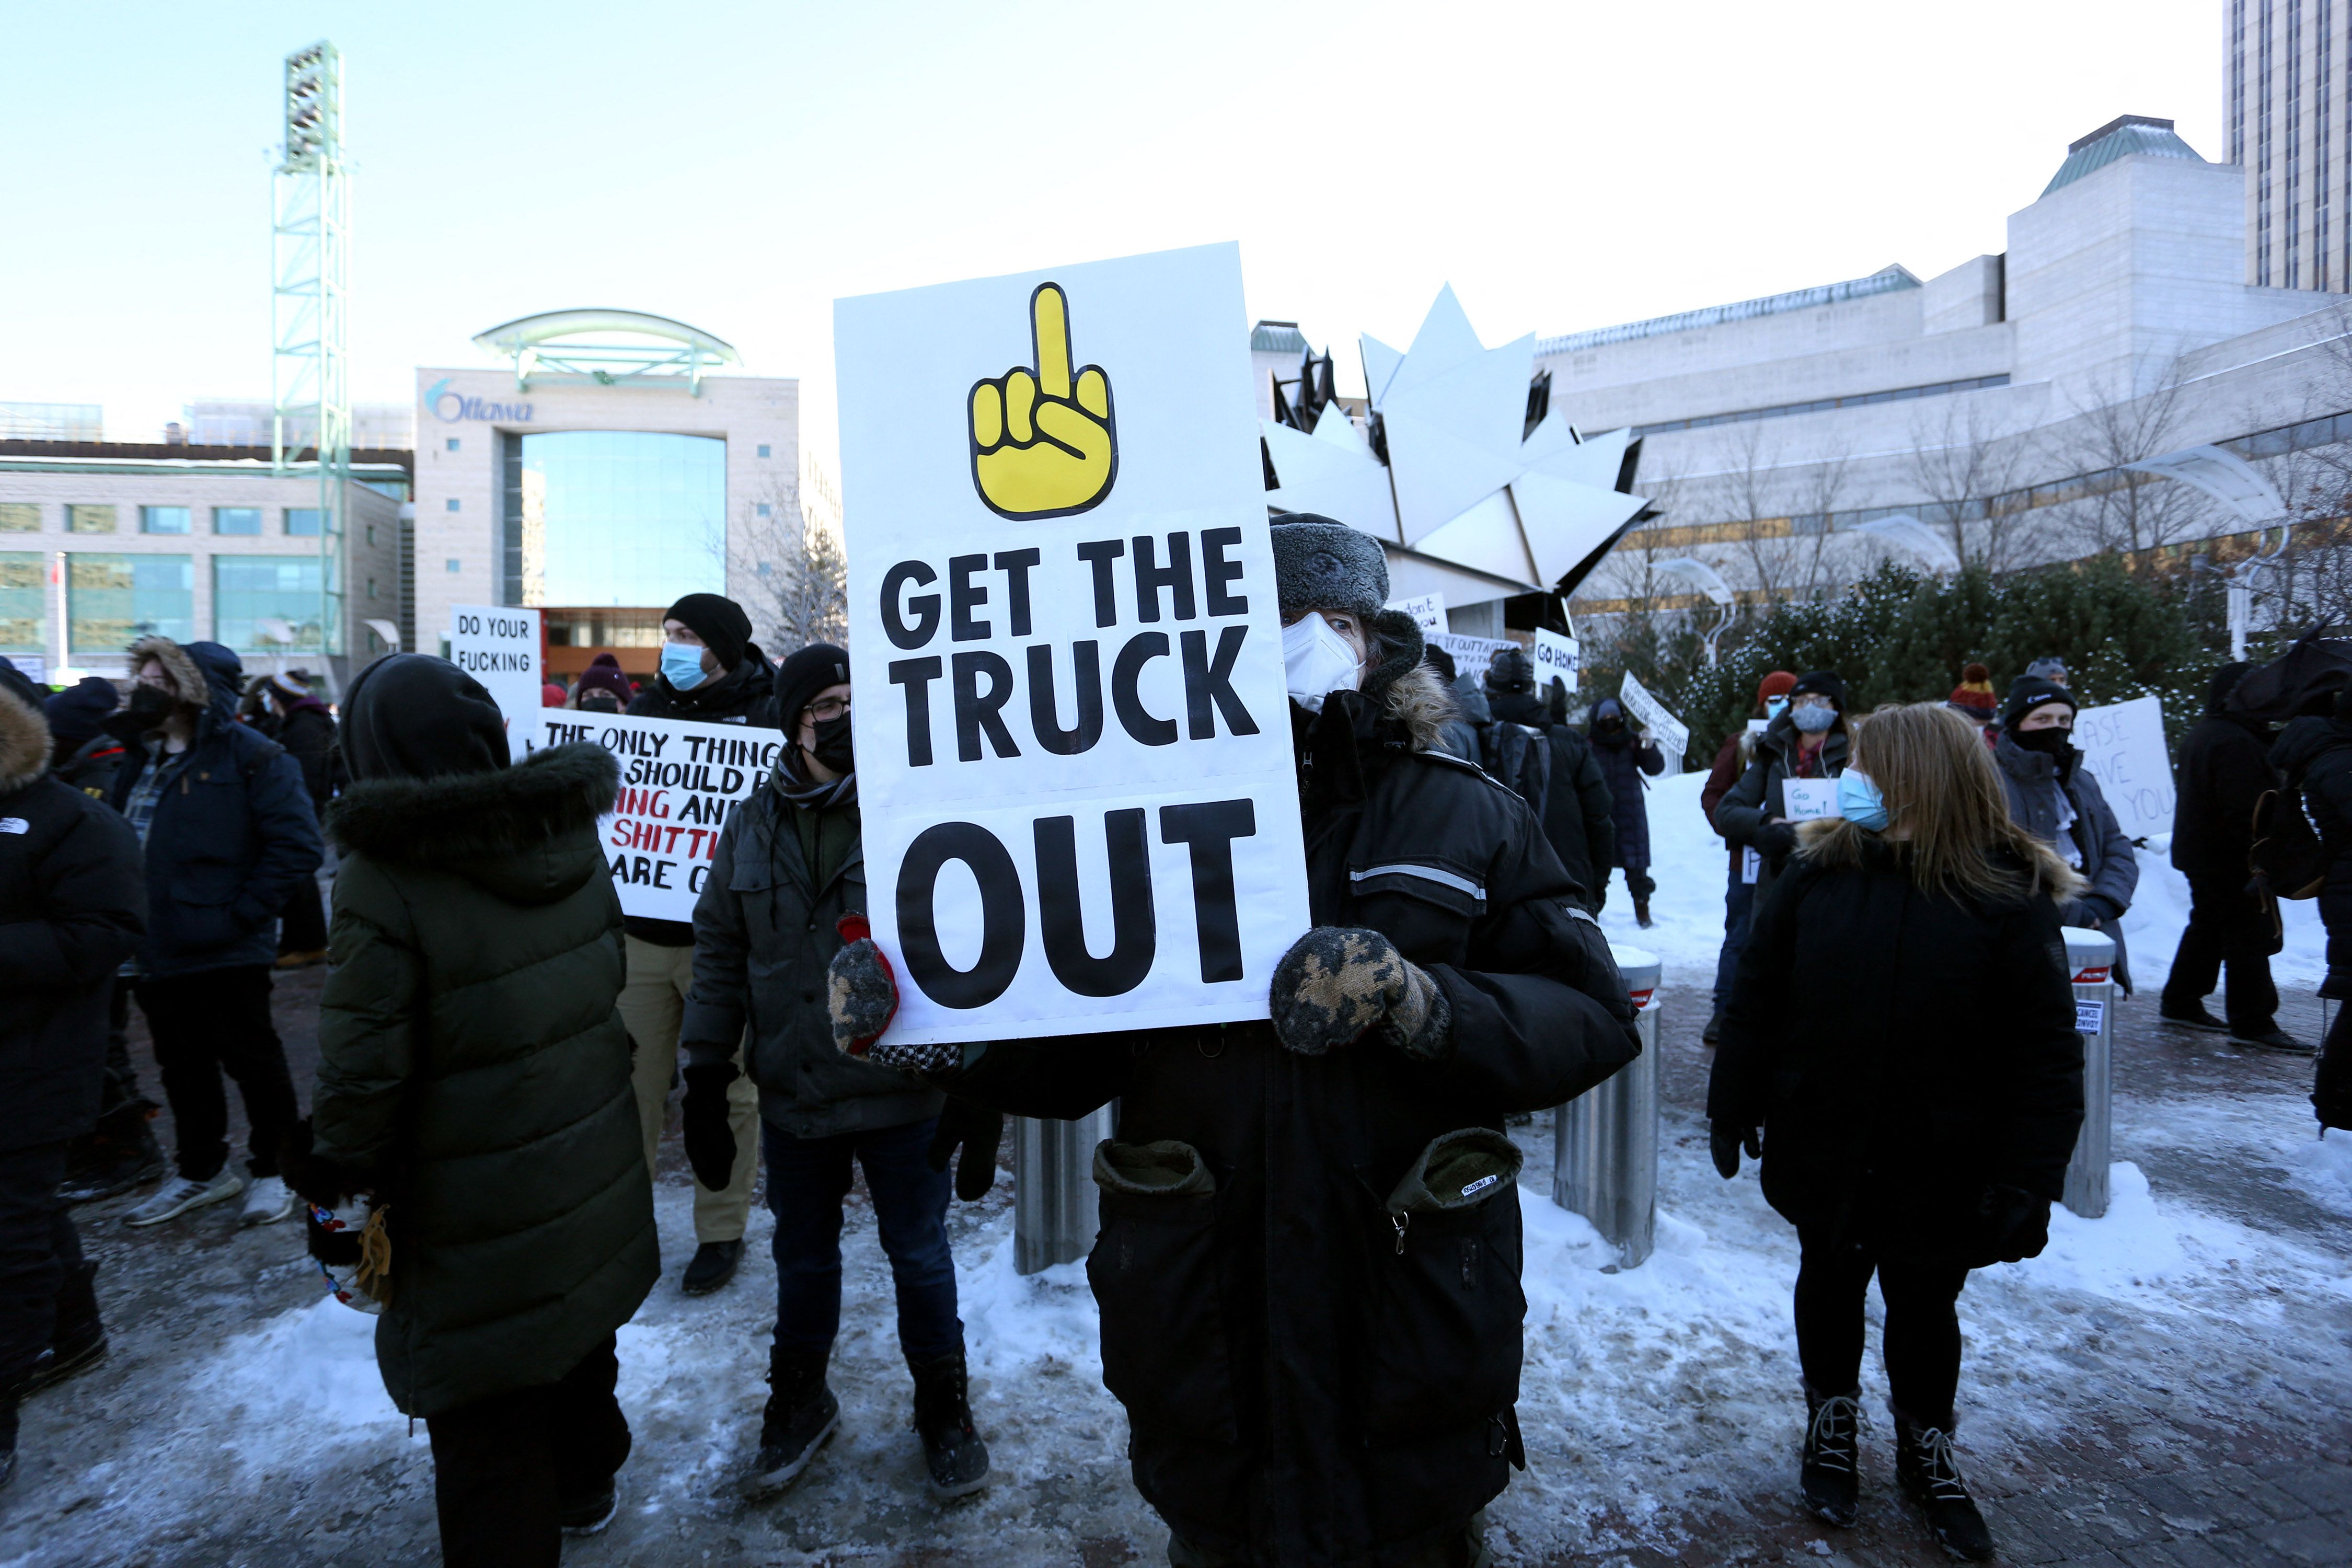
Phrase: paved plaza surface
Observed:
(2172, 1391)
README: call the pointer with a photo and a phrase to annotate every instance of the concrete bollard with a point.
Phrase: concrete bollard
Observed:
(1605, 1142)
(2090, 956)
(1054, 1209)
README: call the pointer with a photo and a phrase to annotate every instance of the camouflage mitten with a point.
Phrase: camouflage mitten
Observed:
(1339, 983)
(862, 996)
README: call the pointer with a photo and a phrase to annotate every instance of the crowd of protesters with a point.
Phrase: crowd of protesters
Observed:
(499, 1047)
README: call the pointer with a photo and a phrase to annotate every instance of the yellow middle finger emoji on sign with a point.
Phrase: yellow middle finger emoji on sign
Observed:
(1042, 445)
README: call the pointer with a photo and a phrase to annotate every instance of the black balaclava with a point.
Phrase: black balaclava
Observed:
(412, 716)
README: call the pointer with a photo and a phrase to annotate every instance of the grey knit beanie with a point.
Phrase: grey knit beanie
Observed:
(1320, 564)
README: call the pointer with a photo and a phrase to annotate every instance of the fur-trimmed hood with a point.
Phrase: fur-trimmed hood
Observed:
(1419, 701)
(24, 743)
(526, 833)
(188, 682)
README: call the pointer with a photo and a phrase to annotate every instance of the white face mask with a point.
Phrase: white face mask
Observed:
(1317, 660)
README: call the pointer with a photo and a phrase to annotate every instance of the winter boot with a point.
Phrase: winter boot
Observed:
(78, 1341)
(1930, 1478)
(1641, 913)
(1831, 1479)
(588, 1514)
(802, 1413)
(951, 1448)
(119, 1154)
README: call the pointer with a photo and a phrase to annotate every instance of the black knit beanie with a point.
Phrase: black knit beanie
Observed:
(721, 623)
(2028, 692)
(799, 677)
(1828, 682)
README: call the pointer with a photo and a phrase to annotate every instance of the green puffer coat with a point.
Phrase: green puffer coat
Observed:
(473, 1068)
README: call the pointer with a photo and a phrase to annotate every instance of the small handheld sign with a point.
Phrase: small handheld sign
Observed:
(1074, 756)
(500, 647)
(1810, 800)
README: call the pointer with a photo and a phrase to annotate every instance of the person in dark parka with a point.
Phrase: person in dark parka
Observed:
(226, 828)
(474, 1080)
(713, 673)
(2058, 800)
(1578, 814)
(1902, 1135)
(301, 724)
(1308, 1265)
(1739, 888)
(2314, 753)
(84, 753)
(2223, 768)
(1808, 740)
(1623, 756)
(73, 905)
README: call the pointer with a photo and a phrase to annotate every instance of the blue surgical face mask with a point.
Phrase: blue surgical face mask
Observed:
(1859, 801)
(1815, 718)
(681, 665)
(1775, 705)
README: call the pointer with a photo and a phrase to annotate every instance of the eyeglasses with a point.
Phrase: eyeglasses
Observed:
(825, 708)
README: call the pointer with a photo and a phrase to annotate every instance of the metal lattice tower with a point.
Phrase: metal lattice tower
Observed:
(309, 307)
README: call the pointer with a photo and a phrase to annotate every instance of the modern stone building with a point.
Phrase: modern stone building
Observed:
(2286, 111)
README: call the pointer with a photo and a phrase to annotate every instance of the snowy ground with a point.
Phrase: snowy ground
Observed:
(2210, 1311)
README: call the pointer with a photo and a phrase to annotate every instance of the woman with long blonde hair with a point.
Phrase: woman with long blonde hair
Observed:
(1900, 1134)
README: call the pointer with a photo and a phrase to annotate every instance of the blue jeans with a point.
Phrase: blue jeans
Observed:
(1738, 897)
(807, 1179)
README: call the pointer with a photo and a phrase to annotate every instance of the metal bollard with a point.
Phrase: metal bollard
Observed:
(2090, 956)
(1053, 1210)
(1605, 1142)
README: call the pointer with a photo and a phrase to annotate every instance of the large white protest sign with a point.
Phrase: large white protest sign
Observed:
(1471, 656)
(1428, 611)
(2123, 744)
(1074, 755)
(500, 649)
(1556, 659)
(679, 783)
(1673, 735)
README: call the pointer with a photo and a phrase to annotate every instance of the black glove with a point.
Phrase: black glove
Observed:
(709, 1141)
(980, 1132)
(2014, 1223)
(313, 1177)
(1725, 1140)
(1776, 841)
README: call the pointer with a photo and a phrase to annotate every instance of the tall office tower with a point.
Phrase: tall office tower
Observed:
(2285, 110)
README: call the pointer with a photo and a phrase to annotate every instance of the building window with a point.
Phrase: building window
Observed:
(614, 518)
(371, 535)
(370, 587)
(20, 517)
(453, 443)
(302, 522)
(162, 519)
(456, 564)
(763, 451)
(237, 519)
(22, 606)
(89, 519)
(265, 604)
(450, 505)
(112, 600)
(762, 509)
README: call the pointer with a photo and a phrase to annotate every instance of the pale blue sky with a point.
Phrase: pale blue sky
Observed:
(738, 167)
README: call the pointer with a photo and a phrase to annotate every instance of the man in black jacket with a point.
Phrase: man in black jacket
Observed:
(71, 910)
(713, 673)
(227, 834)
(301, 724)
(790, 865)
(1316, 1336)
(1578, 811)
(2223, 768)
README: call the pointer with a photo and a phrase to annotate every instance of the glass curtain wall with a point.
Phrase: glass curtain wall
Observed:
(614, 518)
(21, 609)
(267, 604)
(110, 600)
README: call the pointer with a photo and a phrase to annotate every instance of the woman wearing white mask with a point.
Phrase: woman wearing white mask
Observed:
(1899, 1134)
(1308, 1265)
(1807, 740)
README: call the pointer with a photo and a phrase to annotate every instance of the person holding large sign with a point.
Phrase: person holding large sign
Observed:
(789, 865)
(1308, 1265)
(712, 672)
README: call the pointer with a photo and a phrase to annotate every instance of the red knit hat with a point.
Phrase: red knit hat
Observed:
(1975, 693)
(1776, 684)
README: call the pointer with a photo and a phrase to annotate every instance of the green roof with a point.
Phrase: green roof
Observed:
(2120, 138)
(1277, 338)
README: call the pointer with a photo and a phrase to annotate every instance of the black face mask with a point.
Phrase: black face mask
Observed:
(832, 748)
(150, 706)
(2049, 743)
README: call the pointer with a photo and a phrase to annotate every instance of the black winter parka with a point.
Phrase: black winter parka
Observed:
(1891, 1096)
(2317, 752)
(73, 905)
(1579, 816)
(2224, 768)
(1305, 1383)
(1744, 816)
